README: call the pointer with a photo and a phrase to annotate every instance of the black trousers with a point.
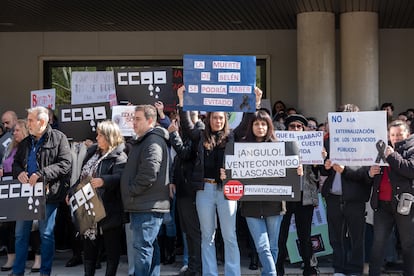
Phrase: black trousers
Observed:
(7, 231)
(303, 221)
(190, 225)
(346, 224)
(111, 239)
(385, 218)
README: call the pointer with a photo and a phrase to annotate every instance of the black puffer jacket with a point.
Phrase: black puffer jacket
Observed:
(53, 160)
(183, 165)
(144, 182)
(401, 173)
(110, 170)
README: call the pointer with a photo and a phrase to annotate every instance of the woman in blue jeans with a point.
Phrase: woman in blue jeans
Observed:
(210, 144)
(263, 217)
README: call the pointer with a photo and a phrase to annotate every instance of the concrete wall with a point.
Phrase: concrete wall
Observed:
(20, 55)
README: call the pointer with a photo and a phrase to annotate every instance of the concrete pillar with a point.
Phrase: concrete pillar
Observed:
(359, 59)
(316, 63)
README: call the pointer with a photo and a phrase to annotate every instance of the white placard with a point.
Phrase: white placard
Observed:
(93, 87)
(123, 115)
(260, 160)
(358, 138)
(310, 144)
(44, 97)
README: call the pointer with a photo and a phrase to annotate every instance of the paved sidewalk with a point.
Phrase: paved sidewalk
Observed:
(61, 258)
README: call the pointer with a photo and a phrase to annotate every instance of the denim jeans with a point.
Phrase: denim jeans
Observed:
(185, 251)
(385, 218)
(130, 248)
(47, 237)
(145, 228)
(208, 201)
(265, 234)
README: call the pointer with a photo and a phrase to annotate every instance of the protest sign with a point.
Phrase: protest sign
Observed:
(319, 235)
(220, 83)
(262, 171)
(310, 144)
(44, 97)
(358, 138)
(21, 201)
(5, 140)
(79, 122)
(93, 87)
(146, 86)
(123, 116)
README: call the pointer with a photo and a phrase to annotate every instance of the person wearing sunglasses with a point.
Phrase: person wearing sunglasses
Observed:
(303, 209)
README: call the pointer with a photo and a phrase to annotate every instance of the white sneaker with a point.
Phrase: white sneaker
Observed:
(184, 268)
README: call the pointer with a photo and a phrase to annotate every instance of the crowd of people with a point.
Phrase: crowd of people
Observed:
(166, 183)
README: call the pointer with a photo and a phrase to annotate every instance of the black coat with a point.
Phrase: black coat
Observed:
(356, 183)
(401, 174)
(110, 170)
(54, 162)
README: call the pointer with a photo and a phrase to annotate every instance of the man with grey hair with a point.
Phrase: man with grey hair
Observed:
(43, 156)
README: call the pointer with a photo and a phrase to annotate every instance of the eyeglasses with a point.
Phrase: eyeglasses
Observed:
(295, 126)
(312, 126)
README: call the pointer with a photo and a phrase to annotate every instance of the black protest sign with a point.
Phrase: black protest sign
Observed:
(262, 171)
(21, 201)
(145, 86)
(79, 122)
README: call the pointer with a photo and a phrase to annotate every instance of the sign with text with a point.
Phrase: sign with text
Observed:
(145, 86)
(358, 138)
(319, 235)
(21, 201)
(44, 97)
(5, 140)
(79, 122)
(310, 144)
(220, 83)
(123, 116)
(93, 87)
(267, 171)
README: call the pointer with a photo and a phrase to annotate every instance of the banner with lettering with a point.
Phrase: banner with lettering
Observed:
(93, 87)
(44, 97)
(220, 83)
(310, 144)
(123, 116)
(146, 86)
(21, 201)
(79, 122)
(319, 235)
(262, 171)
(358, 138)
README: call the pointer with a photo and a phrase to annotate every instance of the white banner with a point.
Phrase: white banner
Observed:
(123, 115)
(358, 138)
(310, 144)
(257, 160)
(44, 97)
(93, 87)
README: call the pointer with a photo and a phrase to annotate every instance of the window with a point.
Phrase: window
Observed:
(57, 74)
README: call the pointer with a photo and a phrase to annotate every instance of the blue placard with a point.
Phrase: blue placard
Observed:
(220, 83)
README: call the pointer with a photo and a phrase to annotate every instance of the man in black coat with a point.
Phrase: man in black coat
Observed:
(43, 156)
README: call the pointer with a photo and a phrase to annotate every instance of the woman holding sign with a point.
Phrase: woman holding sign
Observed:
(104, 162)
(211, 143)
(303, 210)
(263, 217)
